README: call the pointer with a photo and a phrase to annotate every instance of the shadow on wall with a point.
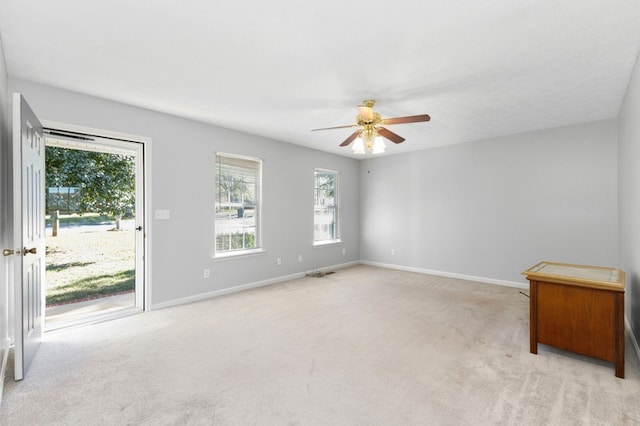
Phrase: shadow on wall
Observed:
(632, 308)
(632, 291)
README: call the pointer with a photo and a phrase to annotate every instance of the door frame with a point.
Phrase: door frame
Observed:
(143, 301)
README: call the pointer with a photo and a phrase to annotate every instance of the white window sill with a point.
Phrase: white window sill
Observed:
(326, 242)
(238, 253)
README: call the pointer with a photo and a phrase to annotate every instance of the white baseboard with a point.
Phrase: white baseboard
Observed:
(338, 266)
(248, 286)
(5, 348)
(505, 283)
(215, 293)
(242, 287)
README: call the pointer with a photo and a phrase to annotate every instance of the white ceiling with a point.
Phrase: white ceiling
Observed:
(282, 67)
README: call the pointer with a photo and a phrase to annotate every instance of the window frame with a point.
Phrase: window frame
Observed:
(337, 215)
(220, 254)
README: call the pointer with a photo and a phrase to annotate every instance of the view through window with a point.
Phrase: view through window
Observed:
(238, 186)
(325, 220)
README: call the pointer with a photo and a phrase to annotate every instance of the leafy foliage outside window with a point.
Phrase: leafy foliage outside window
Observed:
(238, 186)
(105, 182)
(326, 206)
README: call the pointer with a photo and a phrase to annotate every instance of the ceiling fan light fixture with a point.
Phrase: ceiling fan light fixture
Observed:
(378, 145)
(358, 146)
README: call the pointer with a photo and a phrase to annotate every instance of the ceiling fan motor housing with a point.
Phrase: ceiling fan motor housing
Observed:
(375, 118)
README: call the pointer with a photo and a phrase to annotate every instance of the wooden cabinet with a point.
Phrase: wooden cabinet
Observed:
(578, 308)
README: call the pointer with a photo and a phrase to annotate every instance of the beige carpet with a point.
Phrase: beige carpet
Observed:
(363, 346)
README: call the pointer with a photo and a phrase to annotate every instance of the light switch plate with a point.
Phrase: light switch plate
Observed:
(163, 214)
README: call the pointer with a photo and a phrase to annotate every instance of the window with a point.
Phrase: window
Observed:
(238, 189)
(325, 218)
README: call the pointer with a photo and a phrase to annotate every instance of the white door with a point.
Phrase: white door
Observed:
(28, 152)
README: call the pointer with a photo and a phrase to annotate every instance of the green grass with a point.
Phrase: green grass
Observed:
(84, 263)
(63, 266)
(84, 219)
(92, 287)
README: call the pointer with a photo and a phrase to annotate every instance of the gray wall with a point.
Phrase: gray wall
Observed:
(629, 194)
(490, 209)
(182, 176)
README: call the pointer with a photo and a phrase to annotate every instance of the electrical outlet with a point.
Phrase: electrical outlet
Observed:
(207, 273)
(299, 258)
(278, 261)
(344, 251)
(393, 252)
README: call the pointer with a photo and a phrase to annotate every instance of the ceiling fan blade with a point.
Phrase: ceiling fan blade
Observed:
(408, 119)
(388, 134)
(337, 127)
(366, 112)
(351, 138)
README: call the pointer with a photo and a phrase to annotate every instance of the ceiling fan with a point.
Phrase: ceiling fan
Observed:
(370, 130)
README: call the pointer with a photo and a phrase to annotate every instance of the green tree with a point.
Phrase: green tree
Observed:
(232, 187)
(106, 181)
(325, 185)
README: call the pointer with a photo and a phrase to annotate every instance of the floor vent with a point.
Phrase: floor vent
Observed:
(320, 274)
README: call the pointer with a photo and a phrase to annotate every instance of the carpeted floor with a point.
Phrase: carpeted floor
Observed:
(363, 346)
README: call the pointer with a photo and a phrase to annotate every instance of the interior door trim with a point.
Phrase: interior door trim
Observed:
(76, 130)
